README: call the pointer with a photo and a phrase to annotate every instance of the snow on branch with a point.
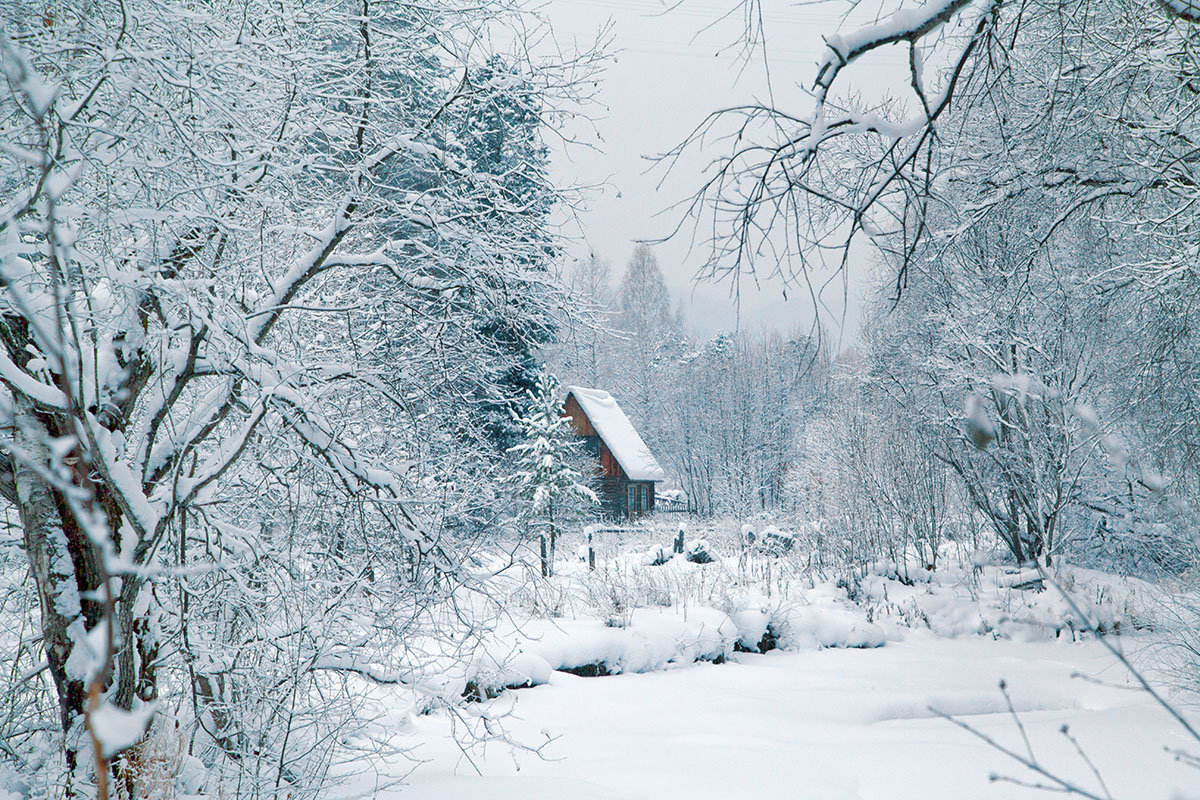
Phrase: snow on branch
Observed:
(903, 25)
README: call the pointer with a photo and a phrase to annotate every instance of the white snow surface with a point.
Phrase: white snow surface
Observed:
(619, 434)
(844, 708)
(830, 724)
(653, 639)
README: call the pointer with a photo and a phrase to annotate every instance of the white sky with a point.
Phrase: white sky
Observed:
(667, 73)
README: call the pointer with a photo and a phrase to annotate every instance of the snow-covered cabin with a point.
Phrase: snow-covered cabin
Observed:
(627, 469)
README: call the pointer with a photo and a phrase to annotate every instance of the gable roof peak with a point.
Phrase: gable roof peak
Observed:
(618, 433)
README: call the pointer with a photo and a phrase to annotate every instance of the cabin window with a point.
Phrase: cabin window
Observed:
(645, 498)
(632, 498)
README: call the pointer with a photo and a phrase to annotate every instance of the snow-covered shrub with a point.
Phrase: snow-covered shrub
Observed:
(777, 543)
(699, 552)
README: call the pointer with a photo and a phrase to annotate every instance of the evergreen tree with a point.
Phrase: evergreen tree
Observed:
(548, 488)
(499, 134)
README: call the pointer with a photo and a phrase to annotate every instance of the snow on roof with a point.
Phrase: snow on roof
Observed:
(618, 433)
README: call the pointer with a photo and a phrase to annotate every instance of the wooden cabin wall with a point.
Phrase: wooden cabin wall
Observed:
(579, 420)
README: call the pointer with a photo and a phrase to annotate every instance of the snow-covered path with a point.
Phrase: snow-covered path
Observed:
(826, 724)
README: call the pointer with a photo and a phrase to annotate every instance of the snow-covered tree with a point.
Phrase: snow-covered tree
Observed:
(587, 348)
(545, 479)
(500, 134)
(649, 339)
(200, 201)
(797, 184)
(733, 412)
(1035, 195)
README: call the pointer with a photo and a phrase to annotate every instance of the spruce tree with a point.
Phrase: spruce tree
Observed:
(549, 490)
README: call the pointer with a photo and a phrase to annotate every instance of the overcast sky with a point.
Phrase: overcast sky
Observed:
(670, 68)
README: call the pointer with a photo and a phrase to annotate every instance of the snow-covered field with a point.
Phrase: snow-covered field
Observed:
(671, 698)
(833, 723)
(751, 674)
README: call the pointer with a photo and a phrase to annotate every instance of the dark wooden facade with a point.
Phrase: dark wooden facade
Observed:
(620, 497)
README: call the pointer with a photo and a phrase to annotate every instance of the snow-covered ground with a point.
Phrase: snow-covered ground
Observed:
(835, 723)
(673, 698)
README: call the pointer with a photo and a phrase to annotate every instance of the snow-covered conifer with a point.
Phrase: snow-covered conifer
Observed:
(545, 480)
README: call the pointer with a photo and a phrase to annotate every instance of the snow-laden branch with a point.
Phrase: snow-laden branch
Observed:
(903, 25)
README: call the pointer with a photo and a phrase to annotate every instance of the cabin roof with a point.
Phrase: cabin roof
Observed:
(618, 434)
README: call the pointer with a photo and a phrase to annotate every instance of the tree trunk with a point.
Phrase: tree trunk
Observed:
(216, 698)
(553, 543)
(68, 570)
(64, 575)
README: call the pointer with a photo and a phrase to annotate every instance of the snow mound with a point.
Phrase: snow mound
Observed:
(823, 622)
(812, 627)
(653, 639)
(1011, 603)
(660, 638)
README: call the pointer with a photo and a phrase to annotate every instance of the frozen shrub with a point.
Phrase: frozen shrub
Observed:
(776, 543)
(698, 552)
